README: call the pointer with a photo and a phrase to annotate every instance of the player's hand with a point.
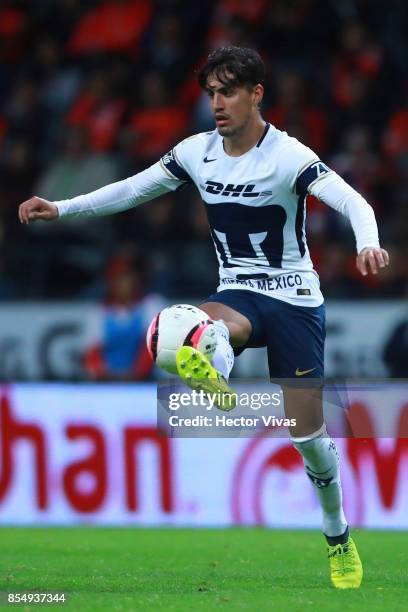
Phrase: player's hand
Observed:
(37, 208)
(371, 259)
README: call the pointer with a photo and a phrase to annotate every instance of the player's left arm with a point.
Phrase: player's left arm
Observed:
(331, 189)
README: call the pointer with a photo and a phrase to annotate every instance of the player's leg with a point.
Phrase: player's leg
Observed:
(233, 331)
(198, 372)
(321, 461)
(296, 353)
(236, 323)
(319, 454)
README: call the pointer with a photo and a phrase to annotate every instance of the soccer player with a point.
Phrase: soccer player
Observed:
(254, 180)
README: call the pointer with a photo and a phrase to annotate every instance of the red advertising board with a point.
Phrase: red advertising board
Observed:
(92, 454)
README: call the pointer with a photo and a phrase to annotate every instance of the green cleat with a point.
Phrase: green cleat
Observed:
(196, 372)
(346, 570)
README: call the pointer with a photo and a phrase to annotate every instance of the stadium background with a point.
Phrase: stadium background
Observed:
(91, 92)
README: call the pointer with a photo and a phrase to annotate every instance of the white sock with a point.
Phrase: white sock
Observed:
(223, 358)
(321, 462)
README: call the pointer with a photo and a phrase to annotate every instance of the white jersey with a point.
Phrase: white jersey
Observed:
(255, 205)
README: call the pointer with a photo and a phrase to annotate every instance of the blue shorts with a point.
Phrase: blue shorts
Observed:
(293, 335)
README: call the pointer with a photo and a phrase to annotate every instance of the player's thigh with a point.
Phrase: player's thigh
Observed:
(239, 310)
(296, 337)
(295, 340)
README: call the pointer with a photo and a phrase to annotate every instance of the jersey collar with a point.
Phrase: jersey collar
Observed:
(267, 126)
(258, 144)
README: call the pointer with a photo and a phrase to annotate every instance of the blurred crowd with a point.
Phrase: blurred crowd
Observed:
(92, 91)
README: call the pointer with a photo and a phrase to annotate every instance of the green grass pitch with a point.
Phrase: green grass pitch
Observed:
(203, 569)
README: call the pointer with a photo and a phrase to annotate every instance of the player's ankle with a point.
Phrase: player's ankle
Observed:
(339, 539)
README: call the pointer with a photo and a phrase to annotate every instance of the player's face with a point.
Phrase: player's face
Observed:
(232, 106)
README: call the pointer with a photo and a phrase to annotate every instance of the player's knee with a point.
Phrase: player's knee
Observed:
(239, 333)
(238, 325)
(305, 406)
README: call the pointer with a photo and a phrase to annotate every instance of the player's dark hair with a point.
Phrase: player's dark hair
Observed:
(233, 66)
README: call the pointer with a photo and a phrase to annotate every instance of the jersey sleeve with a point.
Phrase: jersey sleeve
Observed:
(122, 195)
(301, 168)
(303, 173)
(336, 193)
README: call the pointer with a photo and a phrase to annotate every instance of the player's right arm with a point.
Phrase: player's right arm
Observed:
(164, 176)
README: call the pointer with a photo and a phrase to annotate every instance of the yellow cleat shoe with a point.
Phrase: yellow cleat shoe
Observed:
(346, 570)
(196, 371)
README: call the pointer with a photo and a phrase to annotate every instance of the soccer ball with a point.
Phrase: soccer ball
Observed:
(176, 326)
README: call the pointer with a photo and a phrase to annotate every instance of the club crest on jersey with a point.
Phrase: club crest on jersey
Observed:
(245, 191)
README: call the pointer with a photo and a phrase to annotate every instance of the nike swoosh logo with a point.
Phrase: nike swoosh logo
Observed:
(303, 372)
(206, 160)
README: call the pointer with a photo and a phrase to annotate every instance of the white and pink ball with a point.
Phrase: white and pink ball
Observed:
(177, 326)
